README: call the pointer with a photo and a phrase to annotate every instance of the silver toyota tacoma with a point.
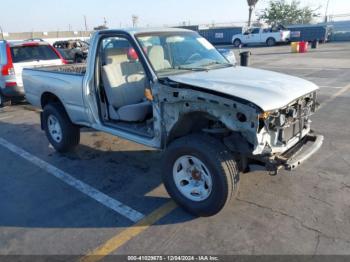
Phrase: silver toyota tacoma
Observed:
(170, 89)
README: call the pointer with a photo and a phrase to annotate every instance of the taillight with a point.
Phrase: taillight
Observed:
(10, 84)
(8, 69)
(64, 61)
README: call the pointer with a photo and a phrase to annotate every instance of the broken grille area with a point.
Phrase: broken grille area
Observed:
(290, 132)
(292, 120)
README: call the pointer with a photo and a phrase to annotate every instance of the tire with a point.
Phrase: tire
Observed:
(69, 133)
(217, 161)
(237, 42)
(4, 101)
(270, 41)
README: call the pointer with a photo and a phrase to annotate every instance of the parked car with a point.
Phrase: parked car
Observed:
(268, 36)
(14, 56)
(74, 51)
(170, 89)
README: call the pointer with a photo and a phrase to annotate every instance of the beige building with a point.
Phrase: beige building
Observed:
(45, 35)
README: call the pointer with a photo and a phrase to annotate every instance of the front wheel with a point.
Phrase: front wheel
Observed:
(62, 134)
(200, 174)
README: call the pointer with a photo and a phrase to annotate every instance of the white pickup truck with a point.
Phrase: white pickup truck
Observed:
(258, 35)
(170, 89)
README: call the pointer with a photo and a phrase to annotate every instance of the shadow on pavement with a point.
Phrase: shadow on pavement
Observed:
(30, 197)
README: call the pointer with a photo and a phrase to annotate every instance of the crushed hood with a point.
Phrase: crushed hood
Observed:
(266, 89)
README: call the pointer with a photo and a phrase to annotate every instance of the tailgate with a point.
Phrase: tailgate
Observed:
(285, 35)
(33, 64)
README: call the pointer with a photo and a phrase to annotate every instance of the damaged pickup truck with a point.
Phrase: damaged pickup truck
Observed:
(172, 90)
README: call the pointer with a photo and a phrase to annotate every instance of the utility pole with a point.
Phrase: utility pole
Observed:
(85, 22)
(326, 14)
(105, 22)
(135, 19)
(251, 4)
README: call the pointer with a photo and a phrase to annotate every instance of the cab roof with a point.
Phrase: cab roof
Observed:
(135, 31)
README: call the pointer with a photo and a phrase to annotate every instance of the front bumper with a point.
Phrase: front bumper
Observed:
(296, 155)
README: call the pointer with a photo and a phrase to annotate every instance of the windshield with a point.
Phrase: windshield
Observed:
(174, 53)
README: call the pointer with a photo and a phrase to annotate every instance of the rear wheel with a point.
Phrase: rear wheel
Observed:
(270, 42)
(4, 101)
(60, 131)
(200, 174)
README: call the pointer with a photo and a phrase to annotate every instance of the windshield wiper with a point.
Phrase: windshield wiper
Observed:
(191, 68)
(217, 63)
(204, 67)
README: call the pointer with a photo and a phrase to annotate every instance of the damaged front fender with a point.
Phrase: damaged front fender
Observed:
(179, 103)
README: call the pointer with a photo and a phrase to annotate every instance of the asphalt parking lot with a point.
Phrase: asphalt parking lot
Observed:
(68, 204)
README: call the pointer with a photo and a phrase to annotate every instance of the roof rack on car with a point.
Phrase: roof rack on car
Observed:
(35, 39)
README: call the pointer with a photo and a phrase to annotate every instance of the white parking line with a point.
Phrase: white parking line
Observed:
(100, 197)
(5, 117)
(334, 96)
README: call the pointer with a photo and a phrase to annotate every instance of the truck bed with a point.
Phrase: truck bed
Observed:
(64, 82)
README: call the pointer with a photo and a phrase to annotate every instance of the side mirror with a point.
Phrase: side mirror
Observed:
(229, 55)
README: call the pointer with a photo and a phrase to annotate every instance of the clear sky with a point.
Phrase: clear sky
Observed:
(47, 15)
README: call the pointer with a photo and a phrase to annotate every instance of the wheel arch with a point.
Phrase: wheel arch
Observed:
(191, 122)
(237, 38)
(50, 98)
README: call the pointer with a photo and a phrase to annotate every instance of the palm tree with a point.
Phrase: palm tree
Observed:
(251, 4)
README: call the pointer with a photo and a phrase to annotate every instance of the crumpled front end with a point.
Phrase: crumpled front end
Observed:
(285, 136)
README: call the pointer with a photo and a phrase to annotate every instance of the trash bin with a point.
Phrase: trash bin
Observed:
(303, 47)
(295, 47)
(245, 58)
(314, 44)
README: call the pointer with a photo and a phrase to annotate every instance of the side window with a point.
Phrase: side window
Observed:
(256, 31)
